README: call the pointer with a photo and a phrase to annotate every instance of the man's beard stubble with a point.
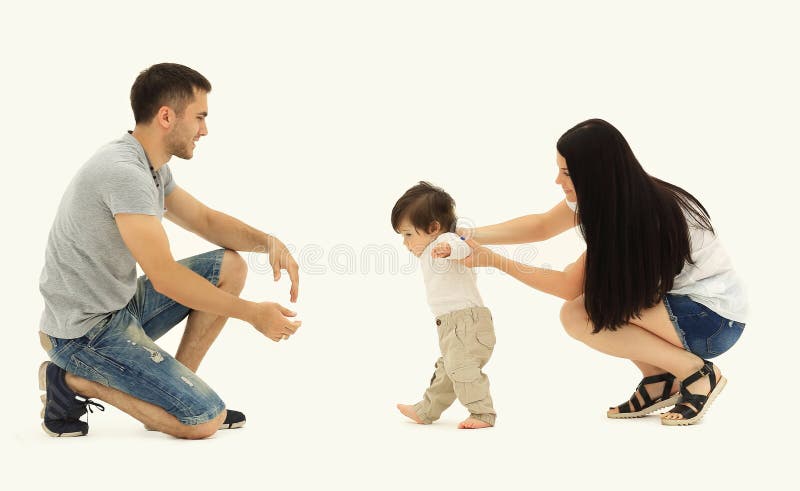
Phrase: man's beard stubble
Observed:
(179, 148)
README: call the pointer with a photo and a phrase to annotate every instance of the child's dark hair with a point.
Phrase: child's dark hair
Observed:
(423, 205)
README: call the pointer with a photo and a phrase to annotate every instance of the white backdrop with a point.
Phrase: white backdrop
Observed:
(321, 115)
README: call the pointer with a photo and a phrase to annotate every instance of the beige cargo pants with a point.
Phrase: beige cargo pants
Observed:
(466, 340)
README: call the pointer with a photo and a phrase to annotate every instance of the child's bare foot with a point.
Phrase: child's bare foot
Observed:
(408, 412)
(473, 424)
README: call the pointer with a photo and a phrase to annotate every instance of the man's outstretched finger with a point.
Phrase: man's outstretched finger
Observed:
(295, 279)
(290, 327)
(276, 270)
(286, 312)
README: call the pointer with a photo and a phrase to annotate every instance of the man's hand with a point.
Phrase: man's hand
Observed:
(441, 249)
(270, 319)
(280, 258)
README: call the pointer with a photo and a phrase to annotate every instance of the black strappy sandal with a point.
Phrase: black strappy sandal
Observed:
(635, 409)
(699, 402)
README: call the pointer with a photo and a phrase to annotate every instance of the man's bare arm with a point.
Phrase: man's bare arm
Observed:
(146, 240)
(231, 233)
(188, 212)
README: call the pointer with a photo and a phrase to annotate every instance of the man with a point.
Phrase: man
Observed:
(99, 322)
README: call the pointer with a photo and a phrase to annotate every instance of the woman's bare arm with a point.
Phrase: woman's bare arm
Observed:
(567, 284)
(529, 228)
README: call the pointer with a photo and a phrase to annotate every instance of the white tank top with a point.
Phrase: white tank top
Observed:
(711, 280)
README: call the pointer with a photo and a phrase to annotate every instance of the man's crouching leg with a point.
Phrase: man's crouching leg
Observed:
(151, 415)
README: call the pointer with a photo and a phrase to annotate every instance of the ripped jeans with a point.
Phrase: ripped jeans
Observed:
(120, 351)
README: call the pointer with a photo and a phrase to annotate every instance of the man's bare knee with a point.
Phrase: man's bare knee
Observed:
(198, 432)
(202, 430)
(233, 272)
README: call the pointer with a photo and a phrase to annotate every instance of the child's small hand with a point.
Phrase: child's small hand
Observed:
(441, 250)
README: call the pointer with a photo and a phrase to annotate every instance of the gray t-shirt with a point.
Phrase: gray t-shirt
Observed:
(88, 271)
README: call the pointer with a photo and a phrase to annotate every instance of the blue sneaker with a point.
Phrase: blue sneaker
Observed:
(62, 406)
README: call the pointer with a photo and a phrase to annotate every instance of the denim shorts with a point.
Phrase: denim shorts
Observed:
(120, 351)
(701, 330)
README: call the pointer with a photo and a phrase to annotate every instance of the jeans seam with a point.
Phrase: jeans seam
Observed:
(217, 267)
(106, 359)
(206, 416)
(61, 347)
(674, 320)
(711, 337)
(214, 280)
(87, 367)
(157, 312)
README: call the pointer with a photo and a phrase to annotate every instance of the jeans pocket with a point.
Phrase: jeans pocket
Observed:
(84, 370)
(52, 345)
(725, 337)
(97, 330)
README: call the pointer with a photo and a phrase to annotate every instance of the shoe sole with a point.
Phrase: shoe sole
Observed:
(686, 422)
(650, 409)
(231, 426)
(43, 386)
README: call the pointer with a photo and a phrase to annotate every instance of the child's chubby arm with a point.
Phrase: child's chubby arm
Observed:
(450, 246)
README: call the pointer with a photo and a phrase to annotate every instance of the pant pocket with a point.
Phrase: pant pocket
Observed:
(55, 348)
(84, 370)
(469, 385)
(94, 334)
(726, 336)
(485, 335)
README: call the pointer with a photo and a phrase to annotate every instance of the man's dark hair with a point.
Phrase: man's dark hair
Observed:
(165, 84)
(423, 205)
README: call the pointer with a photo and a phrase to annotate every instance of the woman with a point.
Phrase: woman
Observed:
(654, 286)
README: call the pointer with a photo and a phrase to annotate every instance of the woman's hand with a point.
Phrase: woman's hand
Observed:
(481, 257)
(465, 233)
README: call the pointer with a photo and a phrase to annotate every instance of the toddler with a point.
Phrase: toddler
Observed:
(425, 217)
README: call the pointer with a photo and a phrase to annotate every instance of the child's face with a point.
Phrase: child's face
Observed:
(416, 240)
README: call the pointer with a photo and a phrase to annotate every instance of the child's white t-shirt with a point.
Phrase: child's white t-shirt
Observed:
(450, 285)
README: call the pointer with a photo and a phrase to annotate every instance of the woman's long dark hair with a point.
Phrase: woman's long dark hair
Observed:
(635, 226)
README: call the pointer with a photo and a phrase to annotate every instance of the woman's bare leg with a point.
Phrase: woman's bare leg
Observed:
(650, 340)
